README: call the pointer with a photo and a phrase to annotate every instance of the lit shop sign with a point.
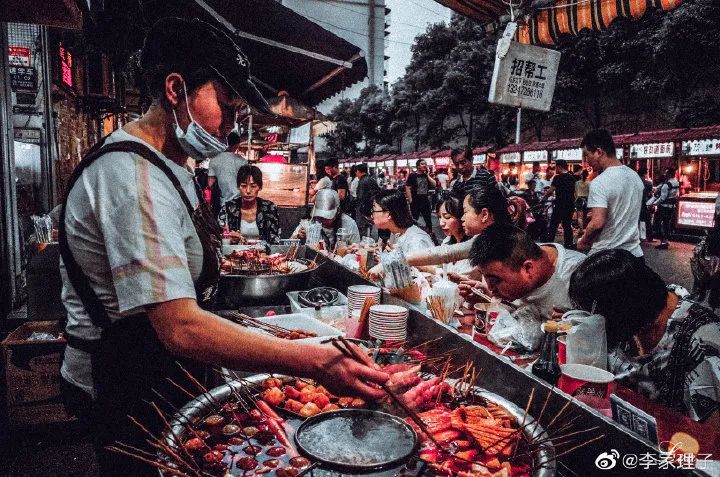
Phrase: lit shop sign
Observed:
(19, 56)
(402, 162)
(650, 151)
(66, 65)
(389, 163)
(479, 158)
(510, 157)
(570, 155)
(535, 156)
(706, 147)
(442, 161)
(695, 214)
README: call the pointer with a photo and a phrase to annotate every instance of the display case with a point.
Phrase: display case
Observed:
(696, 210)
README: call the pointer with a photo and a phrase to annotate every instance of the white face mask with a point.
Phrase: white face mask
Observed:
(196, 141)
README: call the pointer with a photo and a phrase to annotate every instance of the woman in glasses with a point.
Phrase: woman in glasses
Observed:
(248, 216)
(391, 211)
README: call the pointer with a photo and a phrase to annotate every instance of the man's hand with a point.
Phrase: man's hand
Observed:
(343, 375)
(583, 245)
(376, 273)
(465, 287)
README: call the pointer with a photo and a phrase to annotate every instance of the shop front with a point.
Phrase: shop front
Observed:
(655, 150)
(510, 163)
(699, 164)
(480, 156)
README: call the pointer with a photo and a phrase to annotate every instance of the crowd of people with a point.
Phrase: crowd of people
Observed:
(500, 239)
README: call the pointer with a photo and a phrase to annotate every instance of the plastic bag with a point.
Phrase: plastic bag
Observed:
(522, 328)
(586, 341)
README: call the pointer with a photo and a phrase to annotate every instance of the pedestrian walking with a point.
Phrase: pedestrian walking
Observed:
(664, 202)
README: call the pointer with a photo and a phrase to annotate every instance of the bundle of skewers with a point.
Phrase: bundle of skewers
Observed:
(269, 328)
(438, 309)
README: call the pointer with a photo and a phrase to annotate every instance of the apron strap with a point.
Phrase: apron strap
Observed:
(78, 279)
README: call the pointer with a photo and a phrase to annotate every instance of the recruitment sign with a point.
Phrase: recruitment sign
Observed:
(524, 76)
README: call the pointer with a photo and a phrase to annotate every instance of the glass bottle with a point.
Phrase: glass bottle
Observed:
(547, 367)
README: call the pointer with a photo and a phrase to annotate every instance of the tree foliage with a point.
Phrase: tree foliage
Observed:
(656, 72)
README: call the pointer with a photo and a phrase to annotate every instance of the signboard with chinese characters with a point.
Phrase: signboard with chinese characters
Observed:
(402, 163)
(651, 151)
(479, 159)
(19, 56)
(525, 77)
(695, 214)
(442, 161)
(535, 156)
(706, 147)
(66, 66)
(570, 155)
(23, 78)
(509, 157)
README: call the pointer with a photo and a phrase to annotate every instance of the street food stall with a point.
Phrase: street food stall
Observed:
(480, 156)
(510, 162)
(568, 150)
(656, 150)
(441, 159)
(273, 420)
(533, 155)
(699, 163)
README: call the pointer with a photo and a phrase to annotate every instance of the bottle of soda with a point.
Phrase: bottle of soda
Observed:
(547, 367)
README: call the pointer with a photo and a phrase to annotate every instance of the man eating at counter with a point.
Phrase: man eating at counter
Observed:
(140, 254)
(517, 269)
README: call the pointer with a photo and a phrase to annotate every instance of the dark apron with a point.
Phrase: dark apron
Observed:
(130, 365)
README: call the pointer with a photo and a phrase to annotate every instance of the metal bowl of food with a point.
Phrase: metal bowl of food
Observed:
(237, 290)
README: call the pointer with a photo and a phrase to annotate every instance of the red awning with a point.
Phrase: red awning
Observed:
(573, 143)
(537, 146)
(481, 150)
(274, 158)
(511, 148)
(665, 135)
(706, 132)
(442, 153)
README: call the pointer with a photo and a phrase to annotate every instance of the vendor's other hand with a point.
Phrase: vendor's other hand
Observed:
(457, 278)
(376, 272)
(343, 375)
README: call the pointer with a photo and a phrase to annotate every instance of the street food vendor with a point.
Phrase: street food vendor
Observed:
(660, 342)
(140, 254)
(246, 214)
(335, 224)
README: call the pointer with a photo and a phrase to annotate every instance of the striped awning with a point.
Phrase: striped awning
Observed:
(562, 17)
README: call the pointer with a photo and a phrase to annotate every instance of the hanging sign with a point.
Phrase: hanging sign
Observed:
(479, 159)
(524, 77)
(19, 56)
(23, 78)
(535, 156)
(696, 214)
(570, 155)
(650, 151)
(510, 157)
(705, 147)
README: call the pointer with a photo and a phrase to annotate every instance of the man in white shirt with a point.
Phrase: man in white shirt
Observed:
(224, 168)
(517, 269)
(615, 199)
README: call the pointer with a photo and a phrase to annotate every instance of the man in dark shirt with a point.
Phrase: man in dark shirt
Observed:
(467, 176)
(366, 190)
(417, 191)
(339, 183)
(563, 186)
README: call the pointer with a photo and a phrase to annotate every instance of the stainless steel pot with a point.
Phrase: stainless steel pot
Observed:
(238, 290)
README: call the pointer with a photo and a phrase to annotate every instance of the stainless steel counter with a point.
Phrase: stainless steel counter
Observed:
(502, 377)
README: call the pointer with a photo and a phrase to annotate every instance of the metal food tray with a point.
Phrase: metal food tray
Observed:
(206, 403)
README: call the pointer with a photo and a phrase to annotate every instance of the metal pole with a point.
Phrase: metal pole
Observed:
(249, 137)
(518, 120)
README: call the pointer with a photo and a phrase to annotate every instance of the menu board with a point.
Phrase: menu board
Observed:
(695, 214)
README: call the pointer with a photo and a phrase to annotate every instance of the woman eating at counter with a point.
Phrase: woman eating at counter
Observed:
(140, 255)
(247, 215)
(660, 343)
(481, 208)
(450, 212)
(336, 225)
(391, 211)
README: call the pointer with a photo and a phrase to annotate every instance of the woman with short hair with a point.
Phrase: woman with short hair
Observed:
(246, 214)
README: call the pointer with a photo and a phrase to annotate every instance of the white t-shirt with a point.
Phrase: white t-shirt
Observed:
(225, 167)
(131, 234)
(618, 189)
(249, 230)
(461, 267)
(555, 291)
(324, 183)
(354, 186)
(443, 180)
(413, 239)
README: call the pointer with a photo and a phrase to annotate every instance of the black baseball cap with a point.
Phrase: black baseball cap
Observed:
(192, 44)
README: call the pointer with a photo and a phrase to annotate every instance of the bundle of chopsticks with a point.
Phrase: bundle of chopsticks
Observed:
(438, 309)
(292, 252)
(250, 322)
(43, 228)
(398, 273)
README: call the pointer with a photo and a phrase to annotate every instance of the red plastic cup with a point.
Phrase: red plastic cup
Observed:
(562, 350)
(579, 379)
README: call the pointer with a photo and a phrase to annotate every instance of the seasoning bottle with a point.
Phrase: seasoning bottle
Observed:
(547, 367)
